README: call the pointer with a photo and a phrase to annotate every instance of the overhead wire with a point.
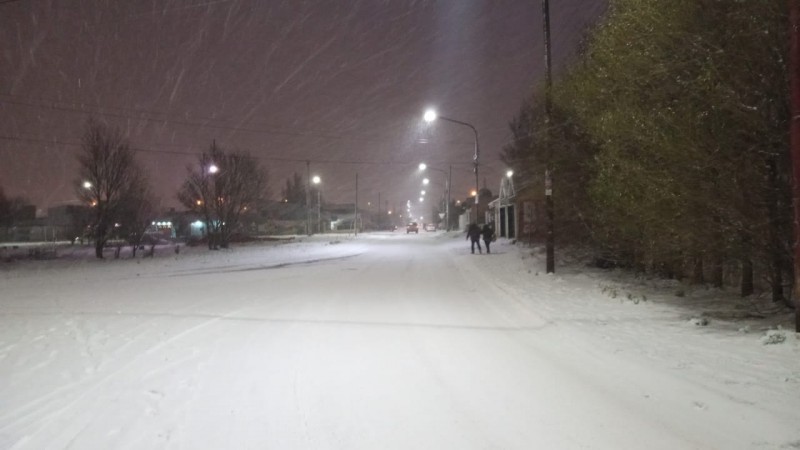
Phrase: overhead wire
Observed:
(59, 141)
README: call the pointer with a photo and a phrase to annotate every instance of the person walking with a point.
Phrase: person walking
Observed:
(488, 235)
(474, 235)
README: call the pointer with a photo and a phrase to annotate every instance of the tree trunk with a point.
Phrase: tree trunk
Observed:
(716, 270)
(697, 270)
(775, 230)
(777, 284)
(747, 277)
(746, 282)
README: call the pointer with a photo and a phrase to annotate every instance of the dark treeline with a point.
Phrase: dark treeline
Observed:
(670, 142)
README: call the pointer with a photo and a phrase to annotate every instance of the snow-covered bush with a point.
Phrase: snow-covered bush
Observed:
(773, 337)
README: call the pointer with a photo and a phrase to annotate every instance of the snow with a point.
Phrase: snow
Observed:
(383, 340)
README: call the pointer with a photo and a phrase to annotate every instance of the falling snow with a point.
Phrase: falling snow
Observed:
(340, 84)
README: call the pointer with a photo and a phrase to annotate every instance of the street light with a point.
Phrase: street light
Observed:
(422, 167)
(430, 116)
(317, 180)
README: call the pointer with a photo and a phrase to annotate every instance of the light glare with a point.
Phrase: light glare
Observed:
(430, 115)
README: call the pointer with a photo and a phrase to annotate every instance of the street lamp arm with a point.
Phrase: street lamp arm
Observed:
(475, 131)
(431, 116)
(438, 170)
(458, 122)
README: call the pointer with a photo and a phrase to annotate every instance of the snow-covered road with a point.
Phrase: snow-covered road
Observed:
(387, 341)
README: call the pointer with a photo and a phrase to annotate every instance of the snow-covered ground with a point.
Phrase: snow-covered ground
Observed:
(387, 341)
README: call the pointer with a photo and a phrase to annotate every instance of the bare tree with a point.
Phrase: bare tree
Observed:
(295, 190)
(222, 188)
(109, 177)
(137, 216)
(5, 213)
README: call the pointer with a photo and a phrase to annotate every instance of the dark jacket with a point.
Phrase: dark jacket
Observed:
(488, 232)
(474, 232)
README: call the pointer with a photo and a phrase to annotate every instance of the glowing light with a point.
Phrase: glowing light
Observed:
(510, 173)
(87, 185)
(316, 179)
(213, 168)
(423, 166)
(430, 115)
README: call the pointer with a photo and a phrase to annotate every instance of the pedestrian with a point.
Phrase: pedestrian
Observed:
(474, 235)
(488, 235)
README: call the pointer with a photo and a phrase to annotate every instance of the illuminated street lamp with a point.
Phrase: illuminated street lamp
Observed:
(213, 169)
(87, 185)
(317, 180)
(509, 173)
(430, 116)
(422, 167)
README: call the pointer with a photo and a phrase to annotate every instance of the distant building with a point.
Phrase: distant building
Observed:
(69, 222)
(504, 209)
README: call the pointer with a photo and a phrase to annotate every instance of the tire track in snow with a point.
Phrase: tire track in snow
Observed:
(41, 408)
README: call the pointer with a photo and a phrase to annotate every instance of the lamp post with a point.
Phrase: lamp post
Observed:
(423, 166)
(317, 180)
(548, 174)
(794, 143)
(430, 116)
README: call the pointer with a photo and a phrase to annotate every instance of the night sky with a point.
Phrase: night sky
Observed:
(343, 84)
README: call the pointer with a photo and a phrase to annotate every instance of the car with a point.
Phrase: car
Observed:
(412, 227)
(430, 227)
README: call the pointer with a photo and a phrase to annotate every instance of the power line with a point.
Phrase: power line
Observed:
(207, 122)
(58, 141)
(313, 135)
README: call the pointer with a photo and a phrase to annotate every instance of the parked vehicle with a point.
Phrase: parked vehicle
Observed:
(430, 227)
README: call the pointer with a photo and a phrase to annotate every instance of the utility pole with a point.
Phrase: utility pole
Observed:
(548, 174)
(355, 213)
(308, 198)
(447, 205)
(794, 124)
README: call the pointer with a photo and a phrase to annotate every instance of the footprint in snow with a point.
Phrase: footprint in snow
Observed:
(701, 406)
